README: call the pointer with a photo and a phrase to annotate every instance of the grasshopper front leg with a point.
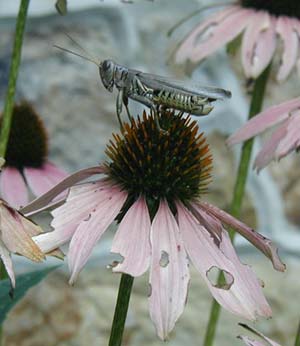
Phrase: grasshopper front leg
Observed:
(119, 106)
(125, 102)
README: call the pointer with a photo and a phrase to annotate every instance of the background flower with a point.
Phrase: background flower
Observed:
(152, 186)
(263, 25)
(284, 139)
(26, 159)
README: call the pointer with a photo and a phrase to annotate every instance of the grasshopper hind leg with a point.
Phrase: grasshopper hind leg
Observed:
(155, 110)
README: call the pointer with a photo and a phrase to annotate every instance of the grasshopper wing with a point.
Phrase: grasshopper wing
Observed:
(159, 82)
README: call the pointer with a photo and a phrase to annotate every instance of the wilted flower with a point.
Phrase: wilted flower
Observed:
(26, 159)
(250, 342)
(15, 237)
(152, 187)
(285, 138)
(263, 25)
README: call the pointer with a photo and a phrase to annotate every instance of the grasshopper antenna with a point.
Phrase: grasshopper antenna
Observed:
(77, 54)
(191, 15)
(87, 55)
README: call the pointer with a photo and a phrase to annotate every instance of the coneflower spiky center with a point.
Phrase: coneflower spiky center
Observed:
(175, 165)
(27, 144)
(289, 8)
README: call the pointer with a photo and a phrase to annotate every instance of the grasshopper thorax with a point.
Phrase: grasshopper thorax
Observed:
(107, 74)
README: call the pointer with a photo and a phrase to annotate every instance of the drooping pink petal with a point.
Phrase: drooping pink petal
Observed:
(15, 236)
(269, 117)
(267, 153)
(250, 342)
(213, 33)
(7, 262)
(262, 243)
(285, 28)
(132, 240)
(259, 43)
(169, 274)
(242, 294)
(41, 180)
(13, 188)
(292, 139)
(209, 222)
(80, 202)
(42, 202)
(91, 229)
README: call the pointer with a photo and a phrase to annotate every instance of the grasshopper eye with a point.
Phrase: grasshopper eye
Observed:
(106, 65)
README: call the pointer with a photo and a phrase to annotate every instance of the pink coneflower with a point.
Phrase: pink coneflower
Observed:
(151, 186)
(15, 237)
(263, 24)
(250, 342)
(285, 138)
(26, 159)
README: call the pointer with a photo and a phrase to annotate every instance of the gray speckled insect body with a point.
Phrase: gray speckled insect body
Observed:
(154, 91)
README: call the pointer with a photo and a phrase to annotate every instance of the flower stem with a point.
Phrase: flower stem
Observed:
(9, 101)
(297, 340)
(239, 188)
(121, 309)
(13, 74)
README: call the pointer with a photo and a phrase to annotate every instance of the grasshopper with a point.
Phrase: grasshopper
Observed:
(152, 90)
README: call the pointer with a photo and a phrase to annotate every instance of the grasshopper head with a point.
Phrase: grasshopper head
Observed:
(107, 72)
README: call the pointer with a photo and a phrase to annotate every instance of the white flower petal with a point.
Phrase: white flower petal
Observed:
(91, 229)
(169, 275)
(132, 240)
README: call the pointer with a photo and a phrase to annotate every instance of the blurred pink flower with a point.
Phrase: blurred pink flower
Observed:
(26, 159)
(15, 237)
(13, 182)
(250, 342)
(285, 138)
(152, 187)
(263, 25)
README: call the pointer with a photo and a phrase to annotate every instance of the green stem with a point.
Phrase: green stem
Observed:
(121, 309)
(9, 101)
(13, 74)
(297, 340)
(239, 188)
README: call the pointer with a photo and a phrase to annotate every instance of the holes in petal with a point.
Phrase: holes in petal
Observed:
(164, 259)
(114, 264)
(219, 278)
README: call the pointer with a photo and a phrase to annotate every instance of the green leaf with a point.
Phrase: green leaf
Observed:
(24, 281)
(61, 7)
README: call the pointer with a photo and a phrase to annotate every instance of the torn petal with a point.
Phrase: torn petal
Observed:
(262, 243)
(169, 273)
(15, 237)
(132, 240)
(242, 294)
